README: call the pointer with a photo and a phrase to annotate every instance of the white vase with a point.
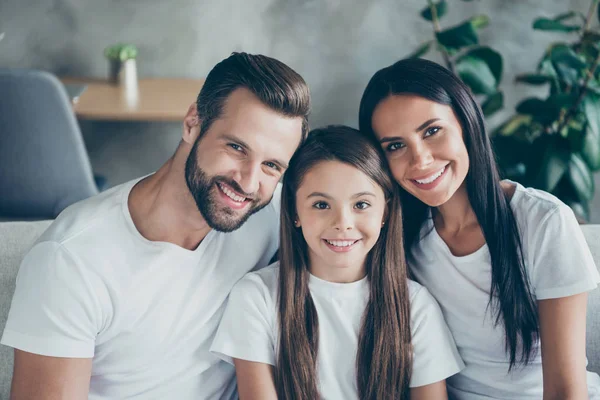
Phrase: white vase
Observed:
(124, 73)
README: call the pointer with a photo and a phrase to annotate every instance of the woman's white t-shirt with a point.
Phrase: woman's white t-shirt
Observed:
(558, 264)
(249, 330)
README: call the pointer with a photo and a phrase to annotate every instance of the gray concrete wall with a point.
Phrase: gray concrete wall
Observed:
(335, 44)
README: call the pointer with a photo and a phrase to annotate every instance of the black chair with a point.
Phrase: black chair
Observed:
(44, 165)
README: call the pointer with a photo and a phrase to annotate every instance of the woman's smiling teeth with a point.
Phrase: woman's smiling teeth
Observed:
(431, 178)
(231, 194)
(341, 243)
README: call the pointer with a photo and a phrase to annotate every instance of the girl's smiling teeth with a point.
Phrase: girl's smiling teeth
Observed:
(341, 243)
(231, 194)
(431, 178)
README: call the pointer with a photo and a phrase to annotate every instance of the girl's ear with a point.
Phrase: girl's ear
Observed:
(297, 223)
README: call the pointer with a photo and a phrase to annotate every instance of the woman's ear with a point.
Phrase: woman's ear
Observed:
(297, 223)
(191, 125)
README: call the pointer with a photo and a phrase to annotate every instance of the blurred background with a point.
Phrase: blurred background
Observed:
(336, 45)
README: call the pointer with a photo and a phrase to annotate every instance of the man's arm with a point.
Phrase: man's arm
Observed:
(50, 378)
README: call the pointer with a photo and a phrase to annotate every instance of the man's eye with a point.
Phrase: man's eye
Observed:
(432, 131)
(395, 146)
(362, 205)
(272, 165)
(236, 147)
(321, 205)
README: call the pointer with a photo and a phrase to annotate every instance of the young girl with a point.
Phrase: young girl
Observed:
(508, 265)
(337, 318)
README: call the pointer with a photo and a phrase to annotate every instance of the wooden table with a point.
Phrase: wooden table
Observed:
(157, 99)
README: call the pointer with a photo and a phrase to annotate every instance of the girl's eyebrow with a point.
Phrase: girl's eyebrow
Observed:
(321, 194)
(318, 194)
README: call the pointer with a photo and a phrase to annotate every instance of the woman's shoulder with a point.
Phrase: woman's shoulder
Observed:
(532, 206)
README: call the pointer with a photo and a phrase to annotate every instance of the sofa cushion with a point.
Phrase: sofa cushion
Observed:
(15, 240)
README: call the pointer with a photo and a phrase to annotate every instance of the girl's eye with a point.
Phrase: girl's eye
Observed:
(362, 205)
(432, 131)
(321, 205)
(395, 146)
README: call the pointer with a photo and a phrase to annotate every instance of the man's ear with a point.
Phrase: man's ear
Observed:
(191, 125)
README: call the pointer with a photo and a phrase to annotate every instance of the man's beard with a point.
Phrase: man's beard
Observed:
(204, 190)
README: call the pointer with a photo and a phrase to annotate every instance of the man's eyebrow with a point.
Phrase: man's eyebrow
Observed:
(236, 140)
(282, 164)
(420, 128)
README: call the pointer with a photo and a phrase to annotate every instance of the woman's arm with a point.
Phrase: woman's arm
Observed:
(434, 391)
(562, 335)
(255, 380)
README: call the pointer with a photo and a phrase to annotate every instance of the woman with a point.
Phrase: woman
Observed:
(337, 317)
(508, 265)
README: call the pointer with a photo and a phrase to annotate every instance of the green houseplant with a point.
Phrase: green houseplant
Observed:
(122, 65)
(551, 143)
(480, 67)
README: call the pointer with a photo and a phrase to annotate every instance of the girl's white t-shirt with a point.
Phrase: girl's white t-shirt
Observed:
(558, 264)
(249, 330)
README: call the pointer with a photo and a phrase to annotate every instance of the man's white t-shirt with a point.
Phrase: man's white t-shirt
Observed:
(146, 311)
(558, 264)
(249, 330)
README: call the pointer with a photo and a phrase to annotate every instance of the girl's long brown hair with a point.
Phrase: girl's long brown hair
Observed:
(384, 356)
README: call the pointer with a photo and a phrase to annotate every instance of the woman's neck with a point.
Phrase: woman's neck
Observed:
(456, 214)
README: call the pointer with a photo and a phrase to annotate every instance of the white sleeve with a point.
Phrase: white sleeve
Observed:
(562, 262)
(54, 311)
(435, 356)
(246, 330)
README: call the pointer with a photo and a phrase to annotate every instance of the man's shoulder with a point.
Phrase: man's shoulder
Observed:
(80, 218)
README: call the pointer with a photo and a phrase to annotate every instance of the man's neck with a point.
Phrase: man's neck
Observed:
(163, 210)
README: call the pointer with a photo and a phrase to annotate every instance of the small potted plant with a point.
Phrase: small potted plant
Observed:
(122, 65)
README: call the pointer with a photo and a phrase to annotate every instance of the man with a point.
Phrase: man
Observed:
(121, 296)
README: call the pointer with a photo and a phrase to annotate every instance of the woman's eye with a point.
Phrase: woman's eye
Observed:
(362, 205)
(432, 131)
(395, 146)
(321, 205)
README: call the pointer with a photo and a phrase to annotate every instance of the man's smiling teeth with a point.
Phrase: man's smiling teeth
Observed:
(341, 243)
(231, 194)
(431, 178)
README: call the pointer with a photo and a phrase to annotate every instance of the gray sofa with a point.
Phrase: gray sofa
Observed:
(17, 237)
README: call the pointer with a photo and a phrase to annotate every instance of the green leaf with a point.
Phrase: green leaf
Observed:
(580, 208)
(533, 79)
(568, 64)
(440, 8)
(476, 74)
(515, 123)
(458, 37)
(561, 100)
(492, 104)
(554, 161)
(542, 111)
(545, 24)
(591, 143)
(420, 51)
(565, 16)
(590, 149)
(480, 21)
(491, 57)
(591, 36)
(581, 177)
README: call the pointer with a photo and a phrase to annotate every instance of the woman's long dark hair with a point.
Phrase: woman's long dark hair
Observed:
(510, 293)
(384, 357)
